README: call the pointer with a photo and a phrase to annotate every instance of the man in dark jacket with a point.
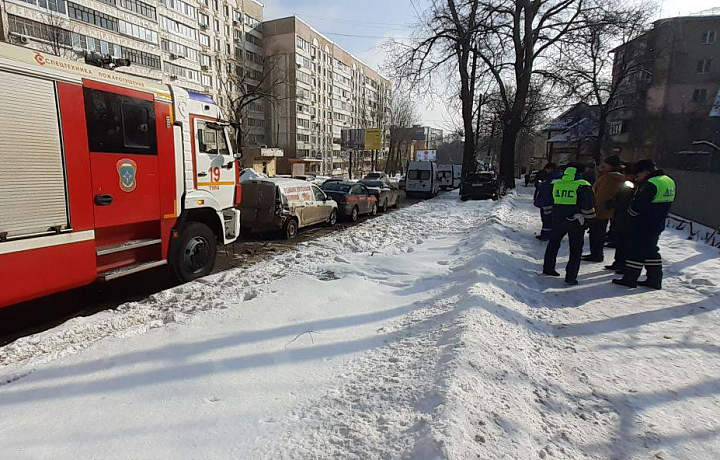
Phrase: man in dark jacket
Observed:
(543, 198)
(621, 219)
(648, 210)
(573, 204)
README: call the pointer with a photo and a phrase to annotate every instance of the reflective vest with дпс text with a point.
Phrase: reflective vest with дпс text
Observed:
(665, 189)
(565, 189)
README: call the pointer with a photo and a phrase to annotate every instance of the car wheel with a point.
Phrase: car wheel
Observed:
(291, 229)
(385, 205)
(194, 252)
(463, 198)
(397, 203)
(374, 210)
(332, 220)
(354, 214)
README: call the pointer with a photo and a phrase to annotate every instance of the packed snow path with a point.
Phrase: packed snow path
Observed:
(426, 333)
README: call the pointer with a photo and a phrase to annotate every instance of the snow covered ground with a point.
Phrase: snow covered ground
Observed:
(426, 333)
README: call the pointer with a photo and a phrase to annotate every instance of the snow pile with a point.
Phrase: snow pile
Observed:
(395, 233)
(423, 334)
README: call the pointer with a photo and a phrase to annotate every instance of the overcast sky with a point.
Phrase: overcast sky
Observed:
(361, 26)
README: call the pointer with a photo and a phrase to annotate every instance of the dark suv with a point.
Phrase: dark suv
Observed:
(478, 186)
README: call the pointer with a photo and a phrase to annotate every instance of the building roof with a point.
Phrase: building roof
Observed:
(585, 129)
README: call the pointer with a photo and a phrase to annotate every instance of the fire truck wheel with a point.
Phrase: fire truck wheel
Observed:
(194, 252)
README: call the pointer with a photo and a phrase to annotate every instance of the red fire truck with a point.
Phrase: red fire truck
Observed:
(103, 175)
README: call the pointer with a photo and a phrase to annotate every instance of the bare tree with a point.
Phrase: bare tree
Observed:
(401, 118)
(593, 73)
(241, 86)
(447, 43)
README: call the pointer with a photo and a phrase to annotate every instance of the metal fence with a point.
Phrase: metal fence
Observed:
(698, 196)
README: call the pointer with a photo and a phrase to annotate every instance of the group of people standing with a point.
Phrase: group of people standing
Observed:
(632, 199)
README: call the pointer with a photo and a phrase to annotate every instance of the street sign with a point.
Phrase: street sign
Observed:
(373, 139)
(426, 155)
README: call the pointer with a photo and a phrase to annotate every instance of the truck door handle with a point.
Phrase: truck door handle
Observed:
(229, 165)
(202, 174)
(103, 200)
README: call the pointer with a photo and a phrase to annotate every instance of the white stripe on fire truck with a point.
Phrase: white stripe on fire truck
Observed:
(46, 241)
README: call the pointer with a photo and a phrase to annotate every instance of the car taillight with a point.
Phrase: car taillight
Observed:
(350, 198)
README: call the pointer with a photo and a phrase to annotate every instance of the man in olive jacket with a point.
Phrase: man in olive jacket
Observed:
(605, 188)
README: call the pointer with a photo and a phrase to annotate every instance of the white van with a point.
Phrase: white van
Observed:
(456, 175)
(444, 175)
(422, 179)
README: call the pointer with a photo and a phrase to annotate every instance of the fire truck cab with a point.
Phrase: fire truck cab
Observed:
(103, 175)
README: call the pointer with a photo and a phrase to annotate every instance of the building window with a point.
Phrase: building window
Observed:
(90, 16)
(179, 71)
(137, 31)
(616, 128)
(204, 40)
(206, 80)
(177, 28)
(182, 7)
(704, 66)
(700, 95)
(119, 124)
(180, 50)
(709, 37)
(52, 5)
(39, 30)
(141, 8)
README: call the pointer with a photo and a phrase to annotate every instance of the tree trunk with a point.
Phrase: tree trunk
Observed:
(511, 130)
(597, 148)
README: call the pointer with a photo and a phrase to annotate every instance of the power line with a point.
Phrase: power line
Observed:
(366, 36)
(353, 22)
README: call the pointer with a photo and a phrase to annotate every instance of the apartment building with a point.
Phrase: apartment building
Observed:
(201, 45)
(666, 103)
(326, 90)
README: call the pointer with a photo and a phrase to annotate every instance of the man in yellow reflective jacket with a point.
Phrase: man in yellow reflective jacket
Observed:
(573, 205)
(648, 210)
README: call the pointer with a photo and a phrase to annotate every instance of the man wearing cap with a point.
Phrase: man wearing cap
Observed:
(605, 188)
(621, 219)
(543, 199)
(573, 204)
(648, 210)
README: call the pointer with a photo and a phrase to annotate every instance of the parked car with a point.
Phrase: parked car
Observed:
(386, 193)
(402, 182)
(353, 199)
(445, 176)
(530, 178)
(479, 185)
(305, 177)
(286, 205)
(376, 175)
(422, 179)
(457, 175)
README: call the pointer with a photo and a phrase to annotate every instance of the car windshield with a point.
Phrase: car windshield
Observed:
(372, 183)
(336, 187)
(373, 176)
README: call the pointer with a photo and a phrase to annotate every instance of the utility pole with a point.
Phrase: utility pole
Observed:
(350, 161)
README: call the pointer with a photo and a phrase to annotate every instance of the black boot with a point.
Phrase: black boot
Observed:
(615, 266)
(630, 279)
(654, 278)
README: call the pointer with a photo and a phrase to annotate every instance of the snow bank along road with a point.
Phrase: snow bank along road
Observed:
(425, 333)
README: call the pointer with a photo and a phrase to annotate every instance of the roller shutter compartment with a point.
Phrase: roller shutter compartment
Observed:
(32, 176)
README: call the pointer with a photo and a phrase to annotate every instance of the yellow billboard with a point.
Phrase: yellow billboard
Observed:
(373, 139)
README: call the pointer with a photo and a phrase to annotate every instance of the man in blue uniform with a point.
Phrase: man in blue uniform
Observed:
(543, 198)
(648, 210)
(573, 204)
